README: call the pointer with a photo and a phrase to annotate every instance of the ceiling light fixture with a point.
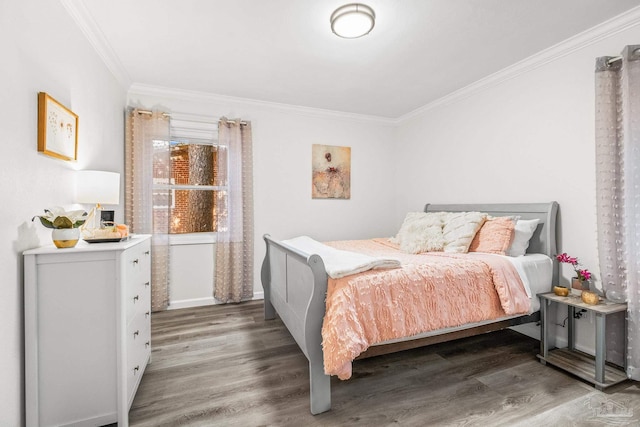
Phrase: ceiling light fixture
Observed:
(353, 20)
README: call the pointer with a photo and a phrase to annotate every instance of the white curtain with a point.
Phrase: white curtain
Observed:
(618, 190)
(234, 213)
(147, 167)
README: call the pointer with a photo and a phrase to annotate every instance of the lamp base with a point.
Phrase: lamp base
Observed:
(108, 217)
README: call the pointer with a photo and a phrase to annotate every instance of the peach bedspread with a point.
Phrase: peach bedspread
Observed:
(431, 291)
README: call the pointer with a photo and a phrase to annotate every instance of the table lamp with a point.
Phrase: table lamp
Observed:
(98, 187)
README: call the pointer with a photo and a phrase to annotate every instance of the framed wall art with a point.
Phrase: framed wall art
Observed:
(331, 172)
(57, 129)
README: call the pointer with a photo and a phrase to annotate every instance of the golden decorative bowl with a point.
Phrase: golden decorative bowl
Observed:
(590, 297)
(561, 291)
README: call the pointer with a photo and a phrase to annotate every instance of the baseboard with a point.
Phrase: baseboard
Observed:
(529, 329)
(533, 331)
(189, 303)
(202, 302)
(100, 420)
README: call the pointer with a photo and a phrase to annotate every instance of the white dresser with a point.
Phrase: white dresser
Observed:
(87, 331)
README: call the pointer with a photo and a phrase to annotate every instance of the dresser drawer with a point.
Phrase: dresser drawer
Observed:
(138, 350)
(140, 261)
(134, 375)
(138, 301)
(137, 272)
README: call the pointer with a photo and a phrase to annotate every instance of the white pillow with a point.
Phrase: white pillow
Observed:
(410, 217)
(522, 234)
(420, 232)
(460, 228)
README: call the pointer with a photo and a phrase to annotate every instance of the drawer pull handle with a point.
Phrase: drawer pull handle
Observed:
(147, 252)
(136, 369)
(147, 344)
(136, 333)
(147, 283)
(135, 261)
(136, 298)
(147, 314)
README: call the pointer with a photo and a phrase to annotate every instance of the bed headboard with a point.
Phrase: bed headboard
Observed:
(544, 238)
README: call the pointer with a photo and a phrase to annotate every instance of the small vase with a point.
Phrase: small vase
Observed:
(561, 291)
(65, 237)
(577, 286)
(589, 297)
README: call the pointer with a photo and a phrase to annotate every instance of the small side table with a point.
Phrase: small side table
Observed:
(594, 370)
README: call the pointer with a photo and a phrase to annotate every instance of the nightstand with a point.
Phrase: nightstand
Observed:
(592, 369)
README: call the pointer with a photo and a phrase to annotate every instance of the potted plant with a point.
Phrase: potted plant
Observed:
(65, 225)
(581, 280)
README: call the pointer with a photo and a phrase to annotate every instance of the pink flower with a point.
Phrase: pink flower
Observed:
(582, 273)
(567, 259)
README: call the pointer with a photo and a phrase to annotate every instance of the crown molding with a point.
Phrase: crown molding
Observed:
(139, 89)
(622, 22)
(79, 13)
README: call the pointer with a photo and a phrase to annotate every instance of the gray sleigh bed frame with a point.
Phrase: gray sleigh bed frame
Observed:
(295, 286)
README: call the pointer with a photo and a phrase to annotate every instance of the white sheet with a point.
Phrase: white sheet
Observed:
(536, 272)
(339, 263)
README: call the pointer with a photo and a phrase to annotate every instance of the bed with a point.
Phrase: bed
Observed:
(295, 287)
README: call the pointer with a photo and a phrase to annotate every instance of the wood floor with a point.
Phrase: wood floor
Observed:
(227, 366)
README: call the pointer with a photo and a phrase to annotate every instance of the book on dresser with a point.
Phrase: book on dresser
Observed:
(87, 331)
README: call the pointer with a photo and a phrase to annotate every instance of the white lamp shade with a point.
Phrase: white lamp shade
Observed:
(353, 20)
(98, 187)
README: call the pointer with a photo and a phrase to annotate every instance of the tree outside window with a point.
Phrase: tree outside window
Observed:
(196, 193)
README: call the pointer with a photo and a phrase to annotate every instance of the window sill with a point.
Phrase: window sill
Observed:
(192, 239)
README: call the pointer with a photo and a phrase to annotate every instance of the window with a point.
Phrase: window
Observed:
(194, 192)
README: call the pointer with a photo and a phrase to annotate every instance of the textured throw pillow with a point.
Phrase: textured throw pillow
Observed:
(522, 234)
(420, 232)
(408, 219)
(495, 236)
(460, 228)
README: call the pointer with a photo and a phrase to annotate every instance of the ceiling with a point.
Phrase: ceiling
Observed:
(283, 51)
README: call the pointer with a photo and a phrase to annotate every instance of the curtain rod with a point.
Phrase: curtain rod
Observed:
(614, 59)
(151, 112)
(635, 52)
(233, 122)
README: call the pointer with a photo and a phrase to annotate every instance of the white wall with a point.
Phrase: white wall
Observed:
(191, 275)
(43, 50)
(282, 139)
(527, 139)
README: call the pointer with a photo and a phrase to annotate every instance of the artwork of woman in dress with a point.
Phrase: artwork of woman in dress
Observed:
(331, 172)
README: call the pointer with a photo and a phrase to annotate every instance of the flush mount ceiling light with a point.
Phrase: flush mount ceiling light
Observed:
(353, 20)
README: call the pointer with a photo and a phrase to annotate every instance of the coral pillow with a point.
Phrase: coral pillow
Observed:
(420, 232)
(495, 236)
(460, 228)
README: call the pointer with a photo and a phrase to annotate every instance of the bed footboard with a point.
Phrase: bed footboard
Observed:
(295, 287)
